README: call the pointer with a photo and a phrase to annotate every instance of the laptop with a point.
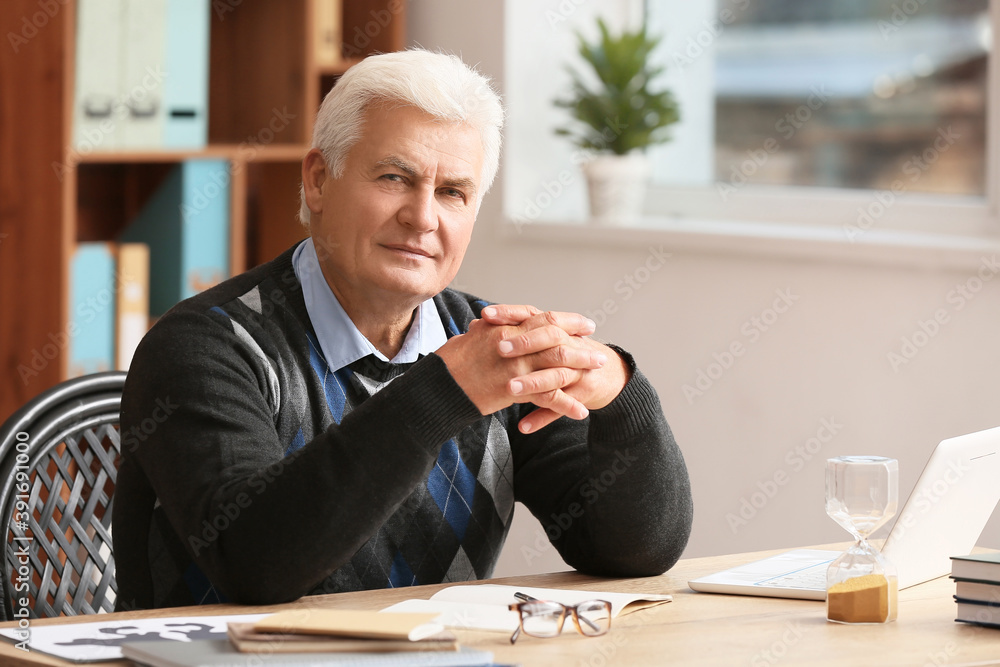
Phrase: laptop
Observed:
(943, 517)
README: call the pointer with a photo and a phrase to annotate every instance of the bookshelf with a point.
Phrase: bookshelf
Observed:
(265, 83)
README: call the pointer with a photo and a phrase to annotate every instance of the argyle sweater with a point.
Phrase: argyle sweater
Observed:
(251, 472)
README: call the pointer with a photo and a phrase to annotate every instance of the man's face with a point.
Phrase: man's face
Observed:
(393, 229)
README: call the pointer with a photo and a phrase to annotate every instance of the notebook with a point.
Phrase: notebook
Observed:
(220, 653)
(944, 515)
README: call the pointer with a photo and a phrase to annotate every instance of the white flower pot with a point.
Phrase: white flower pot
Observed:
(616, 187)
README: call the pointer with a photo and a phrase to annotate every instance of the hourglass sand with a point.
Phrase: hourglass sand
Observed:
(861, 495)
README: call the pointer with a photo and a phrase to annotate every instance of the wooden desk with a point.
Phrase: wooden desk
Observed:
(694, 629)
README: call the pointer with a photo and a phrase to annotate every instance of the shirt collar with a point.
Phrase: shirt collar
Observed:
(339, 339)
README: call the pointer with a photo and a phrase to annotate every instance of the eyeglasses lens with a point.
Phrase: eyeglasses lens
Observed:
(595, 617)
(542, 619)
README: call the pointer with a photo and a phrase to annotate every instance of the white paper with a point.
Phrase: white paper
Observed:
(484, 606)
(99, 641)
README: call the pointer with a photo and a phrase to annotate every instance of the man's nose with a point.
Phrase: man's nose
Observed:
(420, 210)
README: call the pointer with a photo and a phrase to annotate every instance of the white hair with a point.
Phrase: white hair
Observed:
(436, 83)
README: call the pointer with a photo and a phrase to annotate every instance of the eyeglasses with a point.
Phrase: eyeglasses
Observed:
(541, 618)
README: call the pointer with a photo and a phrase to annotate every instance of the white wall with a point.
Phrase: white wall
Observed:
(823, 361)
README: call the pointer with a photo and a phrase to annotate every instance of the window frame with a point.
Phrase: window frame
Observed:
(902, 228)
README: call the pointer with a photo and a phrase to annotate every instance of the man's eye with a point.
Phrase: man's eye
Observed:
(393, 177)
(452, 192)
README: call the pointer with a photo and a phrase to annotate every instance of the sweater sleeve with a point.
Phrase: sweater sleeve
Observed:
(264, 527)
(612, 491)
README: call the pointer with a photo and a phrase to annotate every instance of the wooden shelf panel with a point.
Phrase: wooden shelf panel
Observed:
(240, 152)
(272, 210)
(257, 76)
(264, 88)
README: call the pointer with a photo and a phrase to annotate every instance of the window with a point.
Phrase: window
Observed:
(859, 115)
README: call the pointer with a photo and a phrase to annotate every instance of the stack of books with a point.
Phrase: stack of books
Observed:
(977, 588)
(314, 630)
(175, 247)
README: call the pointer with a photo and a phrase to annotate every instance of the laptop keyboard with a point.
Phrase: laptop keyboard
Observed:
(812, 578)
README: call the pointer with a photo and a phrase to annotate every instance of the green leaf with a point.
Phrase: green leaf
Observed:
(624, 111)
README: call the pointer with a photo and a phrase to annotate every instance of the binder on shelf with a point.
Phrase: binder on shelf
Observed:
(327, 35)
(92, 309)
(186, 84)
(186, 226)
(143, 76)
(132, 319)
(97, 108)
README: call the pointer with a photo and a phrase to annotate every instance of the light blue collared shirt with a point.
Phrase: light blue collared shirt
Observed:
(339, 338)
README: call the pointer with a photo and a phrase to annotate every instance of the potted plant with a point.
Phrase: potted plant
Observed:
(616, 118)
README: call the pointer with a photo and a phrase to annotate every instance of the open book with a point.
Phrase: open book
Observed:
(484, 606)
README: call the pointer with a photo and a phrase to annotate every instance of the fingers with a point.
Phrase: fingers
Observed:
(543, 381)
(537, 419)
(554, 404)
(503, 314)
(572, 323)
(554, 347)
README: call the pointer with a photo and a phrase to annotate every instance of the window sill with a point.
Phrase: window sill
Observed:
(880, 247)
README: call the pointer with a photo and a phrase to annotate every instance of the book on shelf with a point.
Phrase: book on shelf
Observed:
(92, 309)
(132, 307)
(977, 567)
(143, 47)
(97, 106)
(327, 32)
(141, 74)
(315, 630)
(185, 90)
(185, 223)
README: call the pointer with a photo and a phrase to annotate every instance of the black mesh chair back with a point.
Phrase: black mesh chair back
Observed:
(59, 458)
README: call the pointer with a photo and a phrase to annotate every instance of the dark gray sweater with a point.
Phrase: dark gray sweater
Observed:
(253, 473)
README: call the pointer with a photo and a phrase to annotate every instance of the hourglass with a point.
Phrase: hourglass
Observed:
(861, 495)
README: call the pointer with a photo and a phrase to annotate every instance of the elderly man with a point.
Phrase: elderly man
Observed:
(341, 420)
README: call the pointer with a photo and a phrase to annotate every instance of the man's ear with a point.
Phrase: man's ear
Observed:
(314, 177)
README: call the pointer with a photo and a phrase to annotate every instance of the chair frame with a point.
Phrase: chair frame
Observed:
(65, 414)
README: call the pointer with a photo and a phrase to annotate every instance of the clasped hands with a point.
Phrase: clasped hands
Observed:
(519, 354)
